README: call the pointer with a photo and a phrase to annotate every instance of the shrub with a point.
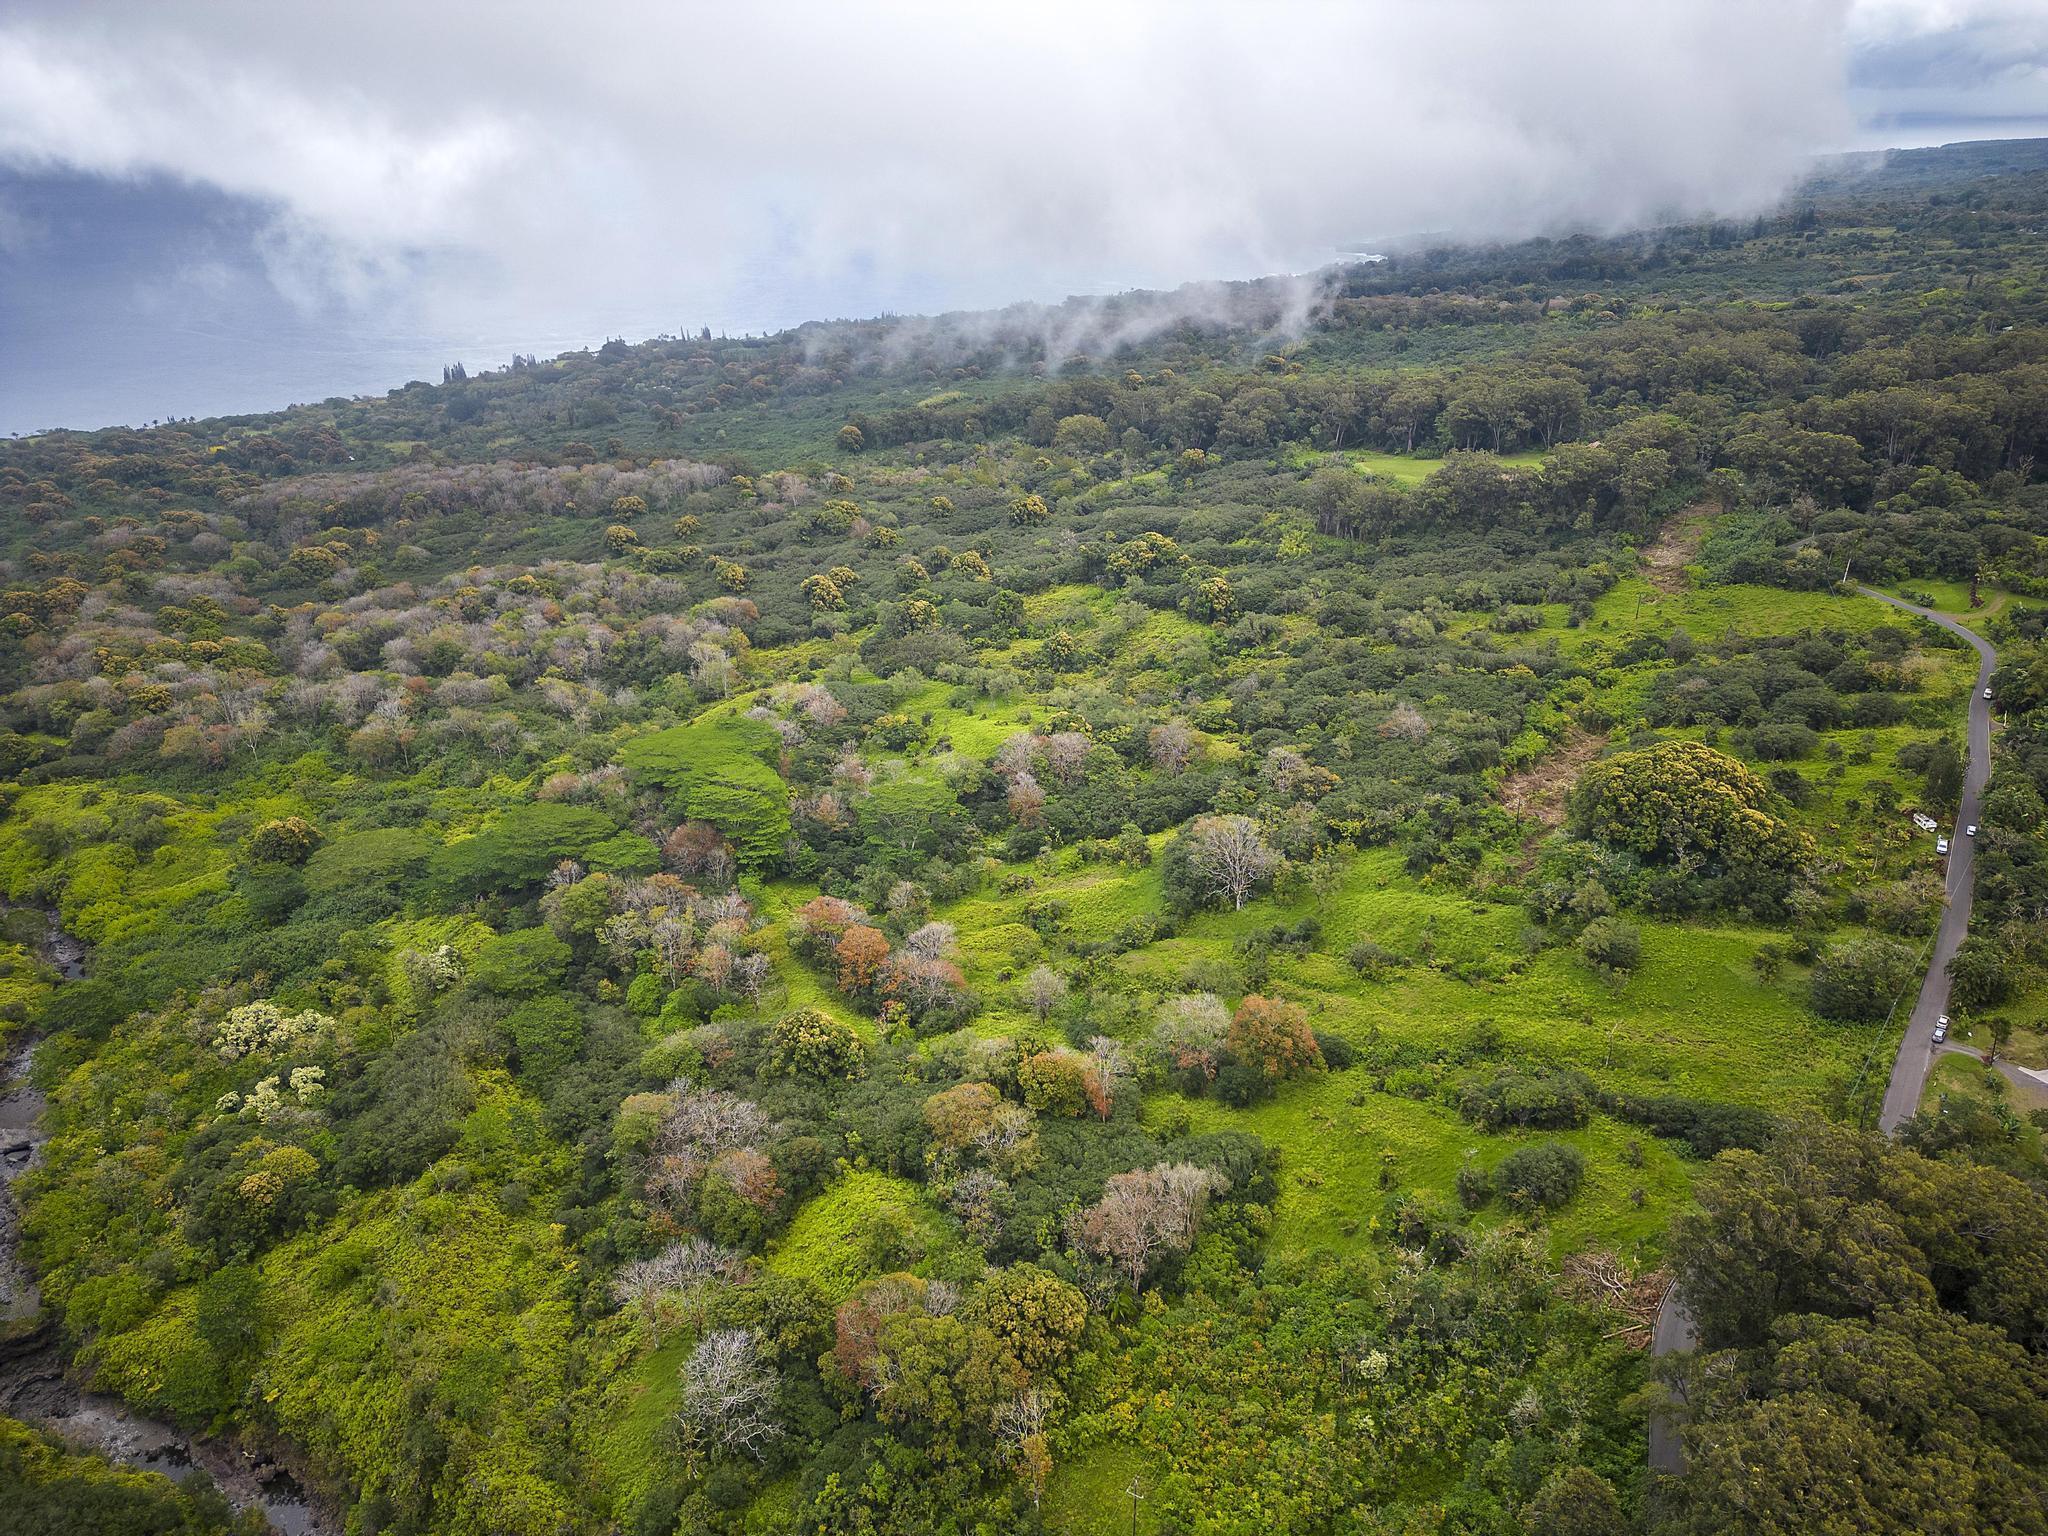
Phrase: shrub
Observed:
(518, 849)
(1545, 1175)
(1474, 1187)
(1273, 1038)
(1683, 797)
(1857, 981)
(1036, 1316)
(645, 995)
(1338, 1053)
(1251, 1166)
(1611, 945)
(384, 858)
(720, 774)
(1241, 1086)
(626, 853)
(958, 1115)
(288, 840)
(1706, 1127)
(1370, 960)
(1783, 741)
(404, 1111)
(1979, 974)
(1549, 1101)
(547, 1035)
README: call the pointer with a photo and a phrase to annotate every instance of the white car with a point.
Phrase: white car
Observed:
(1941, 1029)
(1941, 845)
(1970, 830)
(1987, 693)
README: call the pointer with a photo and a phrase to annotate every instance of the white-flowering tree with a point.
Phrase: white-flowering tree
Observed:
(265, 1027)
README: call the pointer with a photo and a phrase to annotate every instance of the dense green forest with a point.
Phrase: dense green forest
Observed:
(1167, 914)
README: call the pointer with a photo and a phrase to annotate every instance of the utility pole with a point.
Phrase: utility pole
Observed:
(1137, 1493)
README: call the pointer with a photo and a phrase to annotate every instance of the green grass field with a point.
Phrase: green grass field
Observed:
(1413, 469)
(1694, 1019)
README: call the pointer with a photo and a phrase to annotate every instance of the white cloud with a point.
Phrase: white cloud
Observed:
(623, 167)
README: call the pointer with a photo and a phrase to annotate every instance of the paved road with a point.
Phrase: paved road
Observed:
(1674, 1331)
(1916, 1050)
(1673, 1334)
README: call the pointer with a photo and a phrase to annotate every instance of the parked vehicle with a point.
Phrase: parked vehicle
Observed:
(1987, 693)
(1941, 845)
(1941, 1029)
(1970, 830)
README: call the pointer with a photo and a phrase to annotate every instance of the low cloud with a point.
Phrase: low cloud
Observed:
(511, 170)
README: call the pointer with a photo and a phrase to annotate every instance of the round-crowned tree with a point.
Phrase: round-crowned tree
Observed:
(813, 1044)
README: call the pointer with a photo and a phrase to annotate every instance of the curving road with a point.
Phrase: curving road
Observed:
(1916, 1050)
(1674, 1331)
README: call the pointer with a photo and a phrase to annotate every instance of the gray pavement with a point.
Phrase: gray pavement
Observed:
(1673, 1334)
(1916, 1050)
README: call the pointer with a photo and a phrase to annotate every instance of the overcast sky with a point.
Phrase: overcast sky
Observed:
(233, 206)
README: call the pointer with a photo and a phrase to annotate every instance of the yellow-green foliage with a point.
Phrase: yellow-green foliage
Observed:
(22, 986)
(837, 1238)
(437, 1305)
(51, 1488)
(1682, 796)
(109, 861)
(717, 772)
(424, 935)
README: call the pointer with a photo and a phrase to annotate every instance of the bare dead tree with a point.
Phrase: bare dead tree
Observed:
(703, 1124)
(1230, 855)
(685, 1266)
(729, 1394)
(1144, 1215)
(1047, 990)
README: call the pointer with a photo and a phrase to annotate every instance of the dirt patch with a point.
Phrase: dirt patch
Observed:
(1676, 546)
(1634, 1296)
(1538, 791)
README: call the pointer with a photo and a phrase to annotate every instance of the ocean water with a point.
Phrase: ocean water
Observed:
(131, 302)
(127, 302)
